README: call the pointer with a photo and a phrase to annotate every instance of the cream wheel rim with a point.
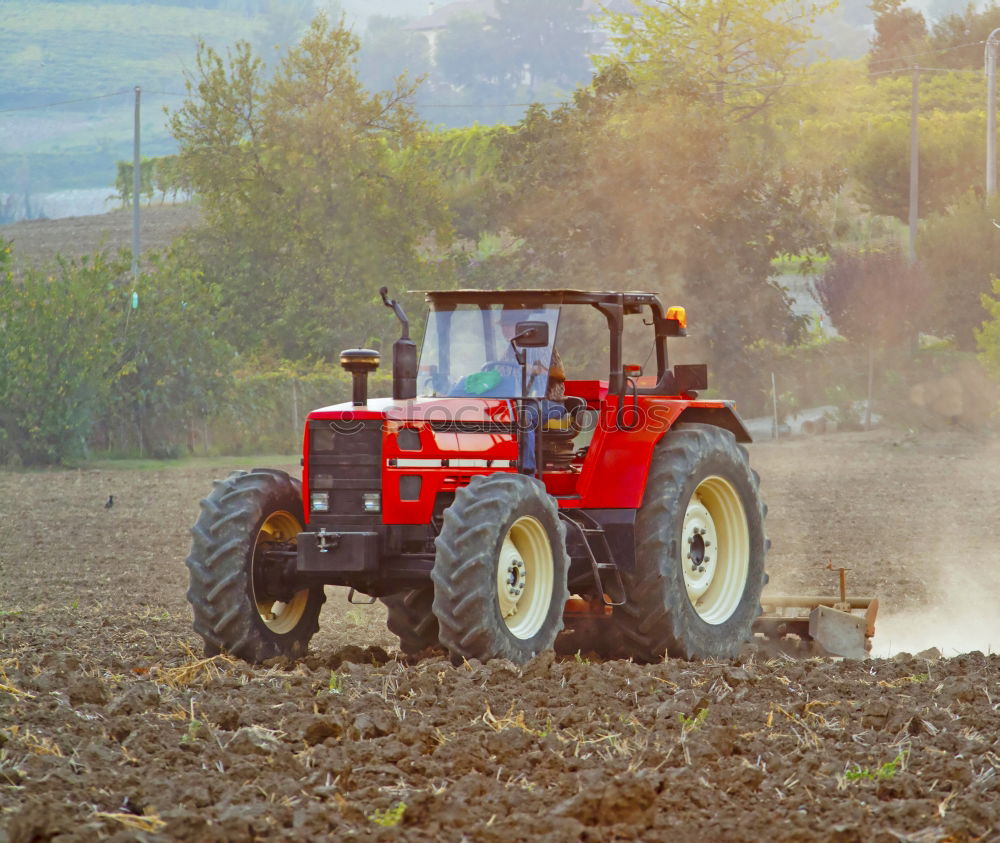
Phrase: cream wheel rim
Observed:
(277, 616)
(715, 550)
(525, 577)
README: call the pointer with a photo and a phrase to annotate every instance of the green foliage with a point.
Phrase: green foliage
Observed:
(156, 175)
(950, 163)
(313, 192)
(334, 685)
(267, 402)
(737, 55)
(960, 250)
(172, 368)
(57, 356)
(694, 722)
(390, 817)
(988, 336)
(958, 38)
(466, 161)
(76, 359)
(856, 773)
(630, 188)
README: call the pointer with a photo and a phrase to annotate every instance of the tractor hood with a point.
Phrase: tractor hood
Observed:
(441, 413)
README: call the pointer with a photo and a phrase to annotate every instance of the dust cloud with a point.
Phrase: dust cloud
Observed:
(960, 612)
(952, 628)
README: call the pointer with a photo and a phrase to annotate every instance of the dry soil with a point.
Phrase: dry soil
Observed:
(112, 726)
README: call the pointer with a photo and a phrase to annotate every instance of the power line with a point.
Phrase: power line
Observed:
(928, 52)
(487, 104)
(65, 102)
(86, 99)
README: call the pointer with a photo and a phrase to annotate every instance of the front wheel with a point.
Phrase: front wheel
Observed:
(241, 600)
(500, 570)
(700, 547)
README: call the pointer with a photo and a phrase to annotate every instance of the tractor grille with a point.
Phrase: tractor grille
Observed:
(345, 458)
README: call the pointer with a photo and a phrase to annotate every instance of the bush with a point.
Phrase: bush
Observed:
(266, 405)
(90, 355)
(988, 336)
(57, 356)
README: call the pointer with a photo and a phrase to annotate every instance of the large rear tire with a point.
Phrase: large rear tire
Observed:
(238, 607)
(411, 618)
(500, 570)
(700, 548)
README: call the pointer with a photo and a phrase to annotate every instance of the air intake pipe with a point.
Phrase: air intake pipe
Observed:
(360, 362)
(404, 354)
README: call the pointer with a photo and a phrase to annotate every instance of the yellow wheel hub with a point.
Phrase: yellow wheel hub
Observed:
(715, 550)
(277, 616)
(525, 577)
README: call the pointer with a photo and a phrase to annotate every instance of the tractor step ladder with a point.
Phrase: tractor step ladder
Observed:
(591, 532)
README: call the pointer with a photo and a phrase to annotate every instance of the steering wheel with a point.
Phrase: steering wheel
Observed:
(490, 365)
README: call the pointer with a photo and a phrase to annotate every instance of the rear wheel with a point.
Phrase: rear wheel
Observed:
(411, 617)
(241, 601)
(500, 570)
(700, 547)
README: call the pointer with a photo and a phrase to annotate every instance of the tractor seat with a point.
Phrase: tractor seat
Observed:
(558, 449)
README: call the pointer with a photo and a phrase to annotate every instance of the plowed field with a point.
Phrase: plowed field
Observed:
(112, 726)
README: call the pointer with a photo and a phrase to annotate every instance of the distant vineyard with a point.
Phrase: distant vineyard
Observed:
(158, 177)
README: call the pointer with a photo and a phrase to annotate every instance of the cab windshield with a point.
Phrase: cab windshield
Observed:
(467, 352)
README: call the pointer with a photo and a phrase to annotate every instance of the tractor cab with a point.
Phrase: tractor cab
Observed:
(472, 351)
(526, 348)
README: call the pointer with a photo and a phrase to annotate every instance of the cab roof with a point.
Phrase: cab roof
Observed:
(530, 298)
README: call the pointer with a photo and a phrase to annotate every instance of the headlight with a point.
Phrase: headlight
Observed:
(372, 501)
(319, 502)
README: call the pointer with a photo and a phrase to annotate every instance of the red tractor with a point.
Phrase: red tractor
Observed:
(489, 506)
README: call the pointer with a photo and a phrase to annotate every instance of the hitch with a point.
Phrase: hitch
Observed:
(831, 622)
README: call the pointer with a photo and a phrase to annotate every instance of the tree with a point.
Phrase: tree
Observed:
(313, 194)
(629, 189)
(957, 39)
(524, 46)
(949, 162)
(900, 35)
(960, 249)
(738, 55)
(388, 51)
(549, 39)
(875, 298)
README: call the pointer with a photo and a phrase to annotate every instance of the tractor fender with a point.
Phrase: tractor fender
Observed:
(615, 477)
(723, 416)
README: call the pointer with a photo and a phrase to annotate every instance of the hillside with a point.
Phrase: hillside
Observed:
(40, 241)
(69, 69)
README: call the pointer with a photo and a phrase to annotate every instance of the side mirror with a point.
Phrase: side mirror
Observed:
(531, 334)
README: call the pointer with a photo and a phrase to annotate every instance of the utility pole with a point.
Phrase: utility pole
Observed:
(914, 162)
(991, 113)
(136, 184)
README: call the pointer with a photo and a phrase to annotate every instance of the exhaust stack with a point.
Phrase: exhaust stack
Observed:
(404, 354)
